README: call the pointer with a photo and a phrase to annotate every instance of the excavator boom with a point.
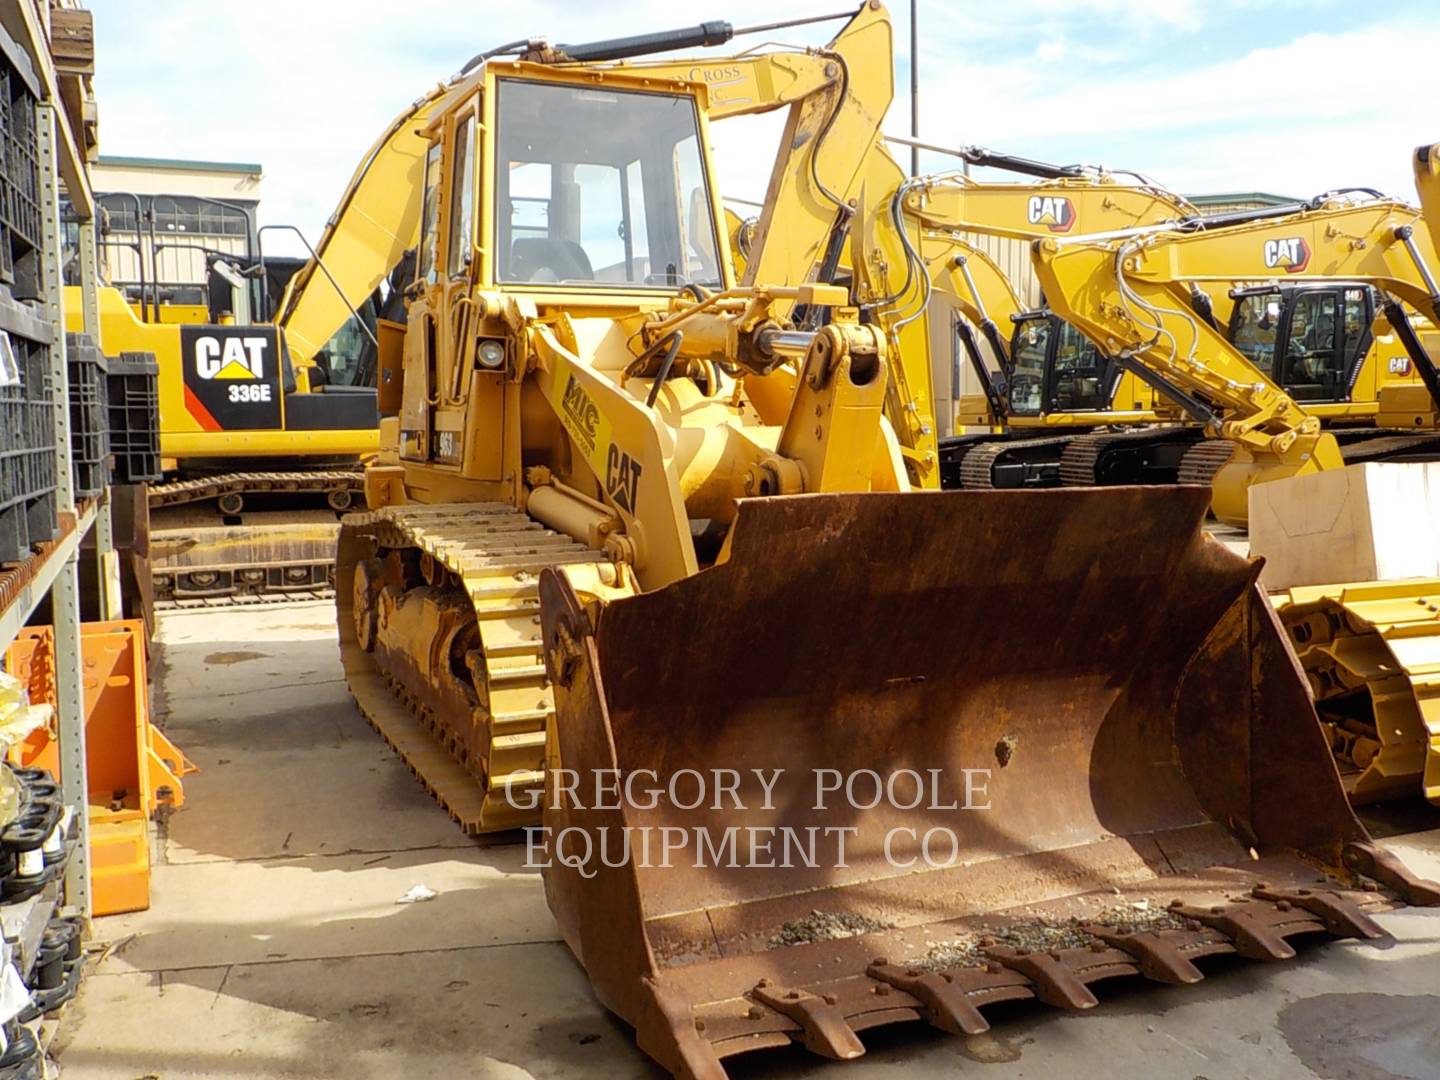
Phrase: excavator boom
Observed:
(1130, 292)
(377, 219)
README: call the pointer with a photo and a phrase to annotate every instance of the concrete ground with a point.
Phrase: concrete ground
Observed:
(275, 947)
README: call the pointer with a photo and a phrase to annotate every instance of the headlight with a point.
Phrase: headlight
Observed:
(492, 354)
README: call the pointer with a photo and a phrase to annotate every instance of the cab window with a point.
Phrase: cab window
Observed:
(1313, 371)
(430, 217)
(1359, 315)
(1029, 346)
(1254, 326)
(462, 200)
(601, 186)
(1081, 379)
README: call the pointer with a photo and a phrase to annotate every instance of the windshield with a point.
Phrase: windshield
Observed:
(601, 187)
(1253, 328)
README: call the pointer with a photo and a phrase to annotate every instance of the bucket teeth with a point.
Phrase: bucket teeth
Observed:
(945, 1002)
(1253, 927)
(1388, 870)
(822, 1025)
(1342, 918)
(825, 1017)
(1055, 983)
(1158, 958)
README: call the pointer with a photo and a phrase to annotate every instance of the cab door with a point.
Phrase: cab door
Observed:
(1327, 333)
(421, 344)
(440, 330)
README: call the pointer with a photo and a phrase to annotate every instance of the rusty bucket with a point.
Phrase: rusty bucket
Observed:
(1094, 755)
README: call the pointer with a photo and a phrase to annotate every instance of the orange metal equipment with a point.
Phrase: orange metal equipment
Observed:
(133, 769)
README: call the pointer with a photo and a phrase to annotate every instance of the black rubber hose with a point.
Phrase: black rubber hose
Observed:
(666, 363)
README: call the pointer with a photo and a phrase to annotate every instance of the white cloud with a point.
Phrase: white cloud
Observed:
(304, 86)
(1047, 52)
(1284, 117)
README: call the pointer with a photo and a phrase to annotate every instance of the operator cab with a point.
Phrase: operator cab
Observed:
(594, 186)
(1310, 339)
(559, 188)
(1054, 368)
(601, 187)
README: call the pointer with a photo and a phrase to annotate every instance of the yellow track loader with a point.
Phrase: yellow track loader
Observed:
(638, 528)
(262, 427)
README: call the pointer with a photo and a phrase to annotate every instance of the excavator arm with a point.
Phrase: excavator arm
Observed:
(376, 220)
(1427, 183)
(1026, 211)
(920, 244)
(1130, 292)
(837, 100)
(980, 294)
(1383, 243)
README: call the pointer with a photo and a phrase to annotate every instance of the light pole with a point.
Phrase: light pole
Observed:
(914, 86)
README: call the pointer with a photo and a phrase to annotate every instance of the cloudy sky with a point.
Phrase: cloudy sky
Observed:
(1288, 96)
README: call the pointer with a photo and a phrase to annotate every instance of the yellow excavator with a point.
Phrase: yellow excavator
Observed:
(637, 525)
(1110, 420)
(263, 423)
(1083, 388)
(1043, 385)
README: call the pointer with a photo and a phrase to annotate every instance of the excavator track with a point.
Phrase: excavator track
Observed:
(1372, 654)
(212, 556)
(339, 486)
(1403, 446)
(1033, 459)
(1088, 459)
(1203, 460)
(469, 574)
(197, 559)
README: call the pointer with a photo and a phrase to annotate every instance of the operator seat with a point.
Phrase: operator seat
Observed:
(542, 258)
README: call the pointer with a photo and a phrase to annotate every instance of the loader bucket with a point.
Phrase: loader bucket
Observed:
(1115, 681)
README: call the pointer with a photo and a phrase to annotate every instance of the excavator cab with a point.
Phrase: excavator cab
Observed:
(1310, 339)
(1055, 368)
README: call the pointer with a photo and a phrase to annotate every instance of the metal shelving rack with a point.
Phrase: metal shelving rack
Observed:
(56, 572)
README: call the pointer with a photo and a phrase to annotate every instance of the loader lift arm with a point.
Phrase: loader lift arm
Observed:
(1131, 292)
(831, 156)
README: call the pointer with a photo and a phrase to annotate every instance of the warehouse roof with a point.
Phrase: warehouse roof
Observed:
(1225, 198)
(179, 164)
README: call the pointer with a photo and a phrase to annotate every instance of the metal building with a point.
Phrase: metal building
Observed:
(1225, 202)
(164, 217)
